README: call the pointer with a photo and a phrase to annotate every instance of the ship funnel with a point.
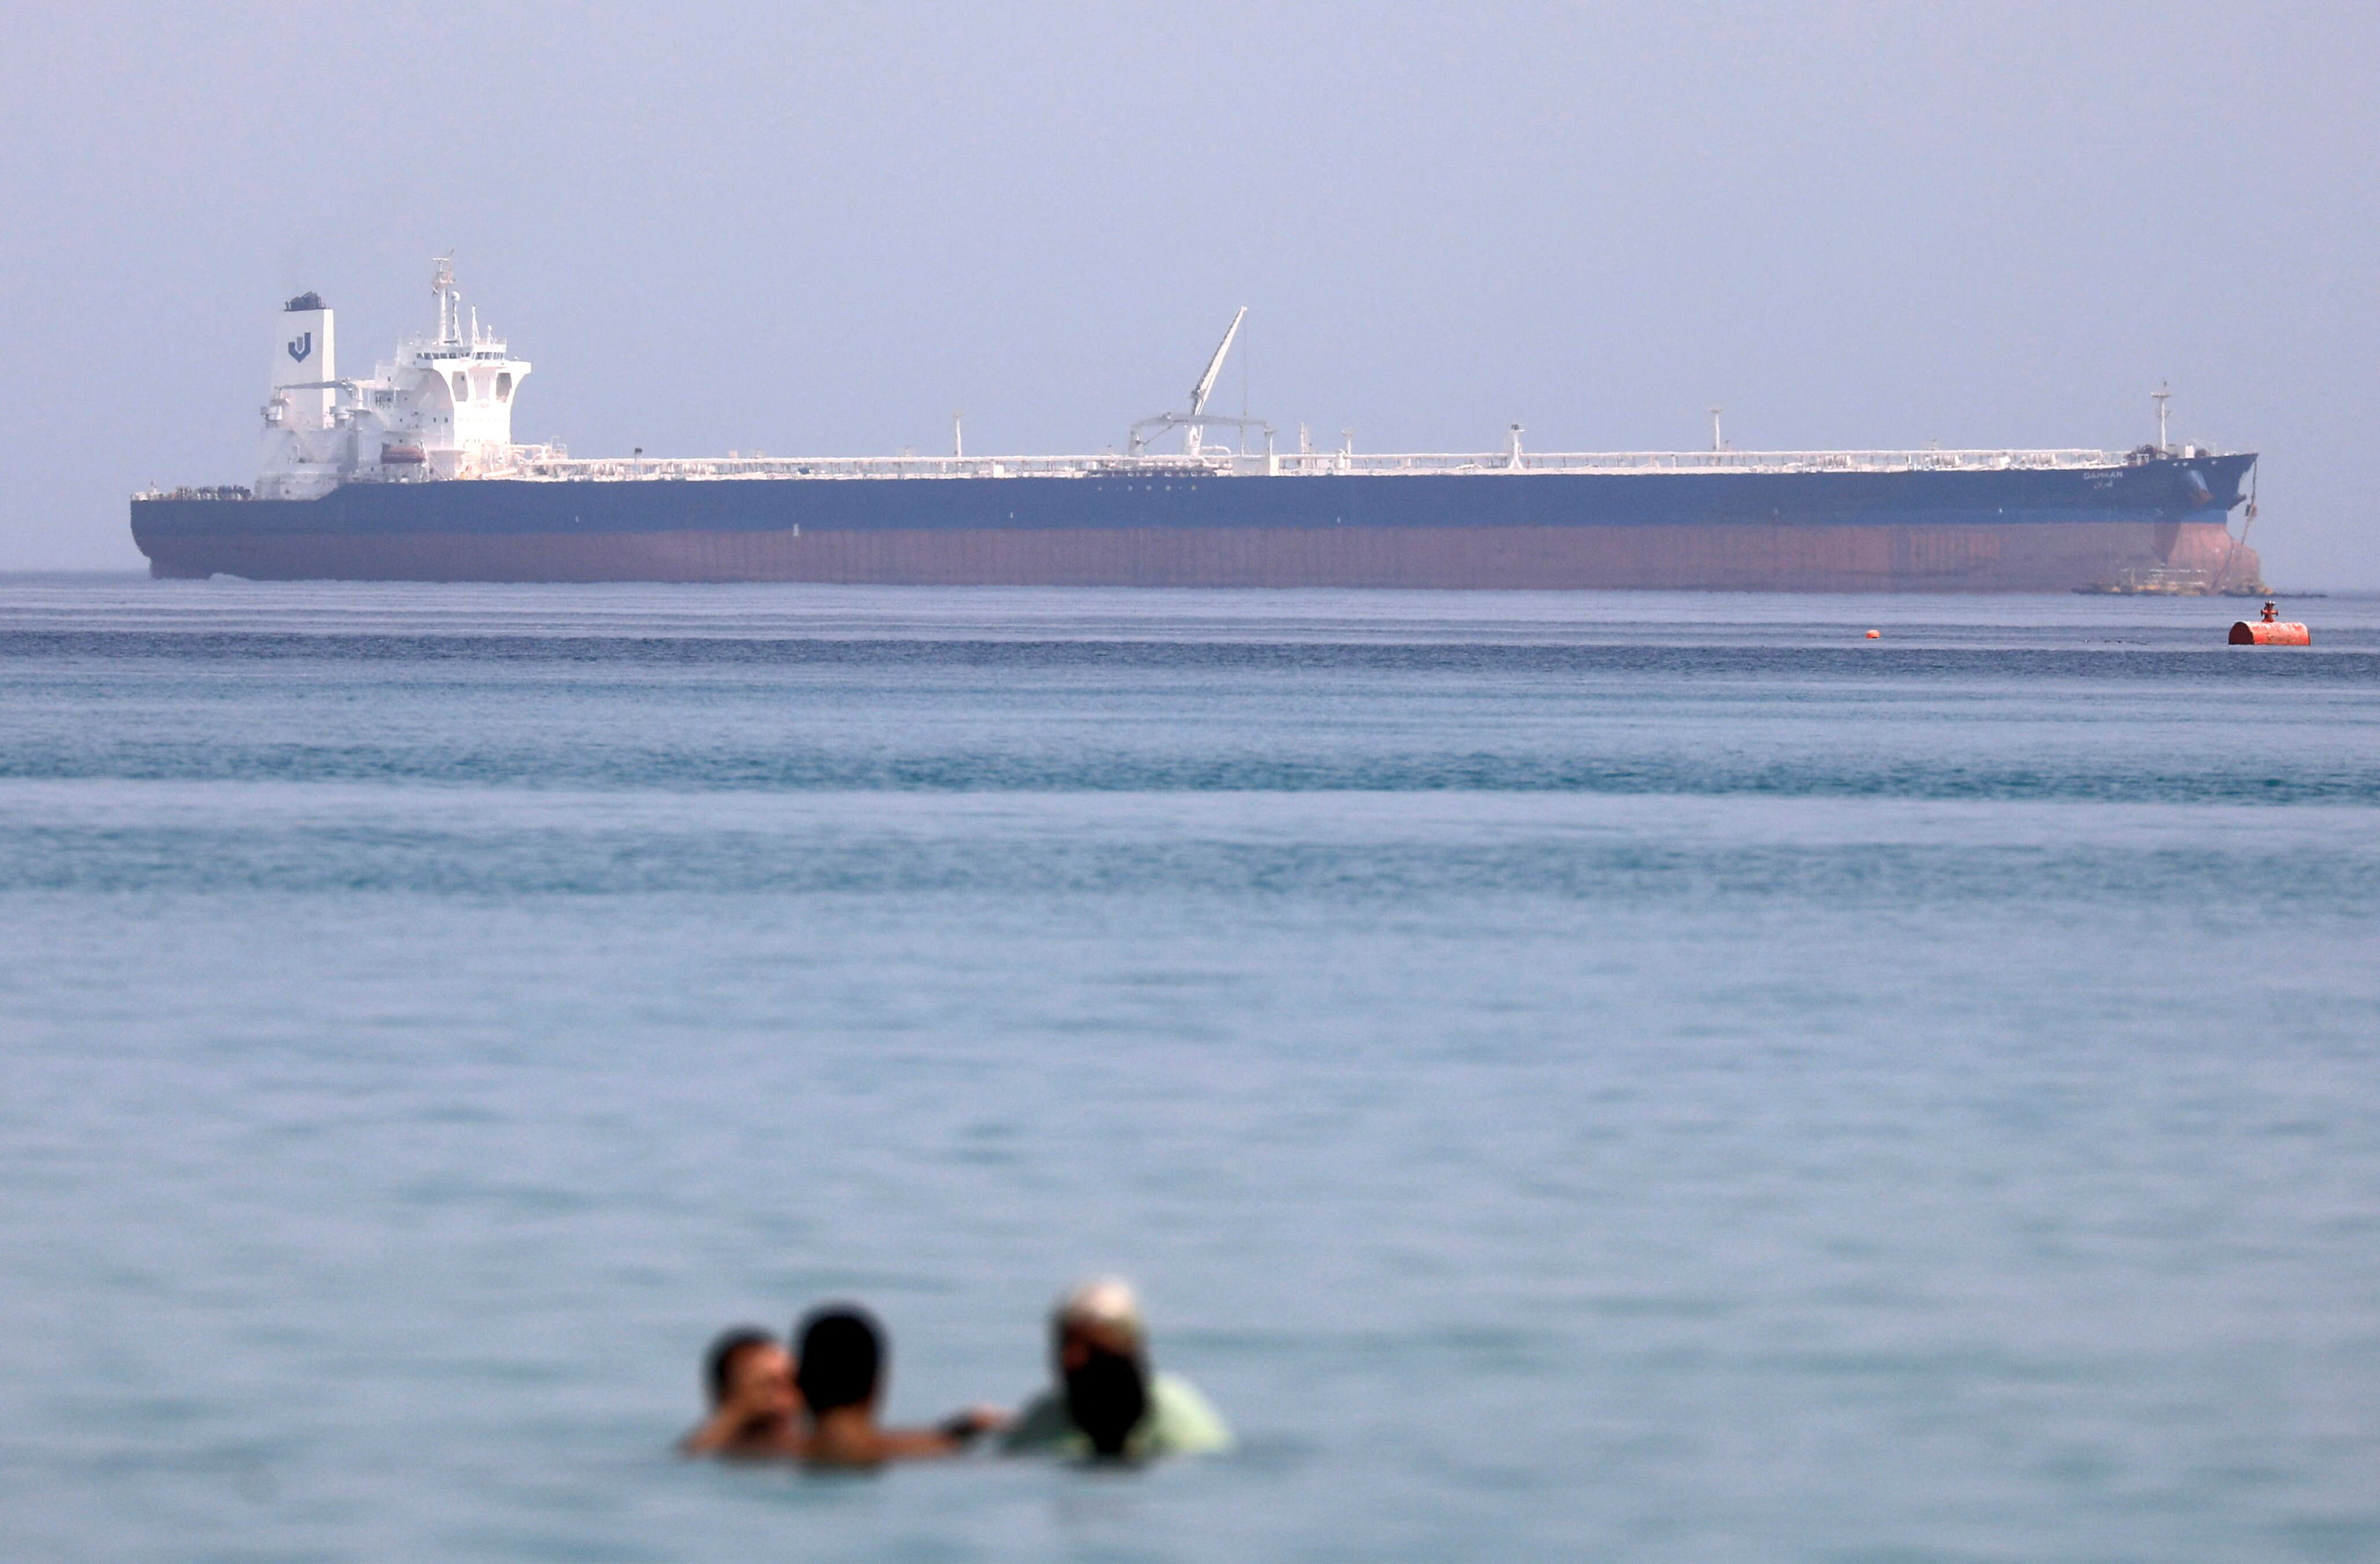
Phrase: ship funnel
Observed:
(304, 362)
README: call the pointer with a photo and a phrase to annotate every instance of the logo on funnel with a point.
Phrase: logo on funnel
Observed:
(300, 345)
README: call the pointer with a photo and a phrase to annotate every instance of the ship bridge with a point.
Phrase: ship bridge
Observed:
(441, 408)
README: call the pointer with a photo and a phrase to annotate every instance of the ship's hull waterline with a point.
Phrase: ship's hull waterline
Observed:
(1761, 531)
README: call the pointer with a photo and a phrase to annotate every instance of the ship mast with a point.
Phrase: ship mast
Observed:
(450, 299)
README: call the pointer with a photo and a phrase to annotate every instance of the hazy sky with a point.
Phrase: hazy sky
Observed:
(821, 230)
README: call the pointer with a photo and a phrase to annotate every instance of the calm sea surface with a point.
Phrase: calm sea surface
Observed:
(1630, 1077)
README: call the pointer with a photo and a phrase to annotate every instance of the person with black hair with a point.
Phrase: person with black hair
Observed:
(1107, 1396)
(841, 1379)
(749, 1378)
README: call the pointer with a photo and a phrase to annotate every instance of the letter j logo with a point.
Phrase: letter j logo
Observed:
(300, 345)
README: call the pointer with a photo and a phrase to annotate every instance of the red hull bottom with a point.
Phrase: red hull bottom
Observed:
(1749, 557)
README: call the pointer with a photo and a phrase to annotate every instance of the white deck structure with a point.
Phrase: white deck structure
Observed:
(441, 409)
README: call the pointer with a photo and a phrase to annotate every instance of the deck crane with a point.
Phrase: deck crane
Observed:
(1197, 419)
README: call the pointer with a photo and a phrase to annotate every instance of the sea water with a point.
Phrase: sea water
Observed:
(1634, 1076)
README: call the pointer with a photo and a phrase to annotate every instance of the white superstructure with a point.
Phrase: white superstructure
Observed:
(443, 407)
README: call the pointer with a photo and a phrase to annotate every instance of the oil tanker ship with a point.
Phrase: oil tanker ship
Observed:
(412, 474)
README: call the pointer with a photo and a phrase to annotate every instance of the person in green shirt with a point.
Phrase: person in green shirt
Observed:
(1098, 1320)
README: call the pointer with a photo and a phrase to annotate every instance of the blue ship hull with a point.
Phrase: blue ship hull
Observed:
(1973, 529)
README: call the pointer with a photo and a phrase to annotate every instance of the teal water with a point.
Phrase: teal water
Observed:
(1633, 1076)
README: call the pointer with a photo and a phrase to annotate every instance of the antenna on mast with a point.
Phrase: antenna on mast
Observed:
(450, 324)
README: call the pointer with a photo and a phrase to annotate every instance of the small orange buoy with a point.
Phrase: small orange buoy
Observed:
(1875, 635)
(2270, 633)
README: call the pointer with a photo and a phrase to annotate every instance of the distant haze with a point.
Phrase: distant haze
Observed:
(824, 230)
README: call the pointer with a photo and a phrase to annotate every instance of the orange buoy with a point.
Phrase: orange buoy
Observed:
(1875, 635)
(2270, 633)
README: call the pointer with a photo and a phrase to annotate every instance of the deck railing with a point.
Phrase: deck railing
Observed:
(540, 464)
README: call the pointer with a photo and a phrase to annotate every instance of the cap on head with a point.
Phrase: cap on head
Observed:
(1106, 1305)
(840, 1358)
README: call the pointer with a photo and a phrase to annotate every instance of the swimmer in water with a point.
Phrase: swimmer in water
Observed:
(750, 1380)
(1099, 1320)
(842, 1379)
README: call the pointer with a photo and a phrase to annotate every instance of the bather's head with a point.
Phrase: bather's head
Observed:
(1100, 1316)
(842, 1358)
(745, 1367)
(1107, 1396)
